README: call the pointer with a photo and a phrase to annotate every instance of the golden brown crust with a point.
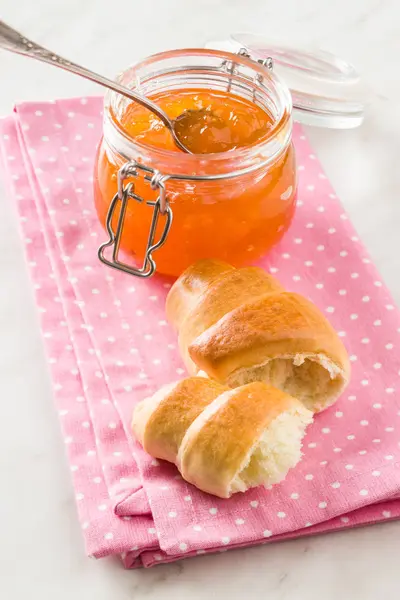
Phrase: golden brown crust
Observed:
(213, 455)
(226, 293)
(190, 285)
(171, 417)
(283, 324)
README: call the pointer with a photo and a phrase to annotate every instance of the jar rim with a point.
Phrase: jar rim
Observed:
(124, 144)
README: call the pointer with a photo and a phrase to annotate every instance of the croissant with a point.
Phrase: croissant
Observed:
(240, 325)
(223, 440)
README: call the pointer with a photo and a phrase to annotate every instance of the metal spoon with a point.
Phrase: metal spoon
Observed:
(13, 41)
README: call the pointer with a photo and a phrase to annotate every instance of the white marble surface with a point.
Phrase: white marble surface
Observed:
(41, 552)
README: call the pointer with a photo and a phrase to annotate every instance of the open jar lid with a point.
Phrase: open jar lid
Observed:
(326, 90)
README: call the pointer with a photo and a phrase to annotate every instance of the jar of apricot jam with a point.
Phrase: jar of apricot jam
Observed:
(232, 199)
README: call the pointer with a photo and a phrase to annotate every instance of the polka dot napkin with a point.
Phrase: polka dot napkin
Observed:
(109, 345)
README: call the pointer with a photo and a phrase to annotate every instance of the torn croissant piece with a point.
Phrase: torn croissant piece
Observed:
(223, 440)
(242, 326)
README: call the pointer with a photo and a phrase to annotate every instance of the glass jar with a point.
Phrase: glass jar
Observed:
(231, 206)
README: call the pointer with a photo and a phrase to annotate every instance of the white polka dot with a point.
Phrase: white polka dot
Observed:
(321, 248)
(364, 382)
(155, 463)
(331, 270)
(310, 225)
(363, 492)
(344, 519)
(377, 405)
(343, 253)
(338, 414)
(286, 255)
(352, 398)
(362, 452)
(79, 496)
(342, 292)
(330, 309)
(389, 390)
(351, 437)
(365, 298)
(353, 317)
(183, 546)
(323, 463)
(376, 441)
(294, 496)
(341, 333)
(308, 263)
(376, 473)
(322, 505)
(239, 521)
(389, 346)
(38, 113)
(296, 278)
(117, 453)
(267, 533)
(349, 467)
(335, 485)
(354, 275)
(331, 230)
(112, 425)
(86, 424)
(387, 514)
(281, 515)
(325, 430)
(74, 468)
(187, 498)
(319, 286)
(85, 525)
(102, 507)
(254, 504)
(97, 480)
(309, 477)
(172, 514)
(353, 358)
(365, 341)
(389, 429)
(364, 423)
(213, 511)
(377, 323)
(389, 457)
(312, 445)
(68, 440)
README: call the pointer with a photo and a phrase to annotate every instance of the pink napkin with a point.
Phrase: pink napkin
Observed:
(109, 345)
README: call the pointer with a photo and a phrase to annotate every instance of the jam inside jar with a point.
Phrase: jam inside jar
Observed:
(231, 200)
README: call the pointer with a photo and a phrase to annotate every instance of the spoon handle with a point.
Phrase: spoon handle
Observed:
(13, 41)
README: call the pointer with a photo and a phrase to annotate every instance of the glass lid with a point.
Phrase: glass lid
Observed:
(326, 90)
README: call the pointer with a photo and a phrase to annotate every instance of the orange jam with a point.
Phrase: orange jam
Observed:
(233, 219)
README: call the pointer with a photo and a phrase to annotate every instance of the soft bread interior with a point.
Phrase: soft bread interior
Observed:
(313, 379)
(277, 451)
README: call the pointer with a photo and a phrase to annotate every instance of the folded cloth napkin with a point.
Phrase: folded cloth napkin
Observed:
(109, 346)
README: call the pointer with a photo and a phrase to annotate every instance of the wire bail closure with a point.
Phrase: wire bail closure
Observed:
(124, 195)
